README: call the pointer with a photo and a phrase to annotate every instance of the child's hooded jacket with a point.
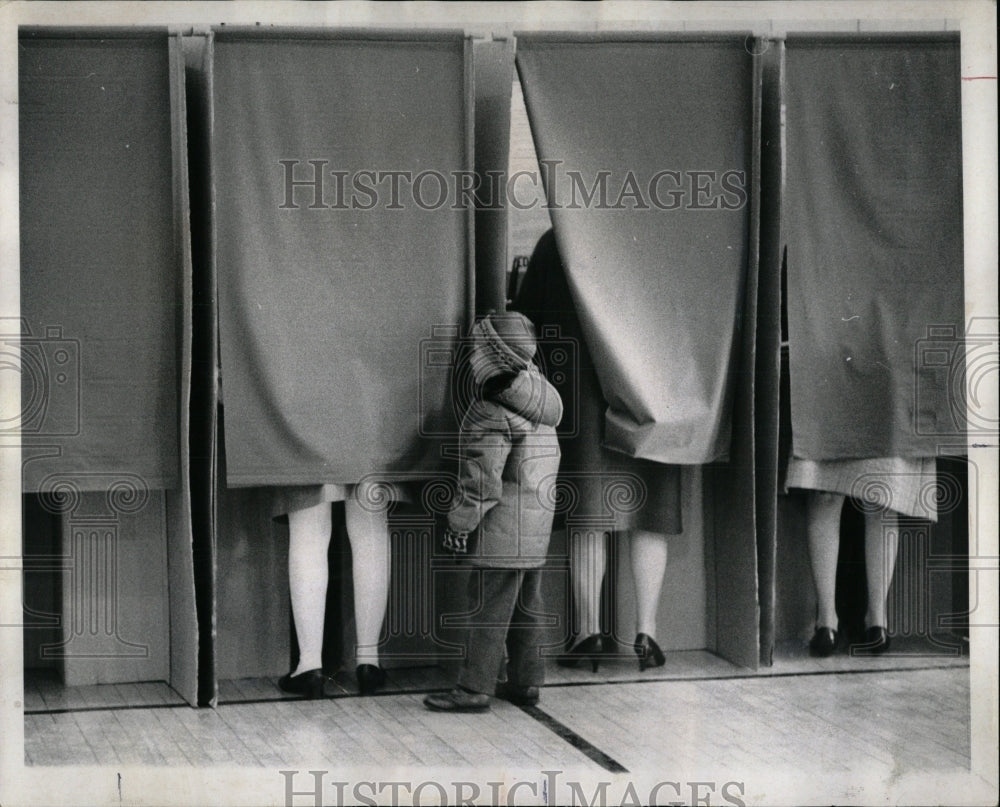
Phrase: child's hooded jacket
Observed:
(509, 452)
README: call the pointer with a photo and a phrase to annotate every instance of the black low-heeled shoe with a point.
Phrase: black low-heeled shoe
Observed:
(648, 651)
(823, 642)
(592, 648)
(876, 641)
(307, 685)
(518, 695)
(458, 700)
(370, 678)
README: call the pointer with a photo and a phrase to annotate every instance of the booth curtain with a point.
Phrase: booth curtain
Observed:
(873, 222)
(645, 147)
(338, 305)
(101, 280)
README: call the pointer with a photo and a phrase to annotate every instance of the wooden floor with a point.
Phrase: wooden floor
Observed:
(898, 713)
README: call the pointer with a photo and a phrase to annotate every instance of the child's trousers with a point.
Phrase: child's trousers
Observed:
(510, 613)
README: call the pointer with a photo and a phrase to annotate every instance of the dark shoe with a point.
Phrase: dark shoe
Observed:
(308, 684)
(518, 695)
(590, 648)
(648, 651)
(876, 641)
(458, 700)
(370, 678)
(823, 642)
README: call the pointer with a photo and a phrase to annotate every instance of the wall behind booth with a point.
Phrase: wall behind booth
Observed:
(494, 74)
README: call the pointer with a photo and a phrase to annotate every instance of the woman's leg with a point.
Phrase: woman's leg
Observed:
(649, 564)
(823, 534)
(368, 532)
(881, 541)
(587, 562)
(309, 540)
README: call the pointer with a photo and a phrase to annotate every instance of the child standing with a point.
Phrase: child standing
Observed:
(501, 518)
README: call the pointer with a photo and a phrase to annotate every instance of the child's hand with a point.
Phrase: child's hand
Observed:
(456, 541)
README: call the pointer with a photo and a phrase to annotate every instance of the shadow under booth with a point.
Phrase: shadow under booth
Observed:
(264, 248)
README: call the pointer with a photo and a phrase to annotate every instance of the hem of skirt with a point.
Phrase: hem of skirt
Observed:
(288, 500)
(907, 513)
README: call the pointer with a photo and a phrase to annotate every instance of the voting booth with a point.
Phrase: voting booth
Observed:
(105, 338)
(648, 147)
(864, 311)
(339, 306)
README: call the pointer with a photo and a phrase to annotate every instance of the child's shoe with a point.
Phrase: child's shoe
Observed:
(458, 700)
(518, 695)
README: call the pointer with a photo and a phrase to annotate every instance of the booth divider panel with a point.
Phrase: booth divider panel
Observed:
(767, 368)
(183, 618)
(204, 435)
(732, 490)
(42, 593)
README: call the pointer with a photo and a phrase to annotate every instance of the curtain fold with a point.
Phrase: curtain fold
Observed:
(645, 148)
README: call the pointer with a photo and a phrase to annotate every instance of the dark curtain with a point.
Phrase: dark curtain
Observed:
(101, 280)
(873, 222)
(645, 147)
(336, 320)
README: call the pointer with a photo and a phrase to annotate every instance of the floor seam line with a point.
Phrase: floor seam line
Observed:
(578, 742)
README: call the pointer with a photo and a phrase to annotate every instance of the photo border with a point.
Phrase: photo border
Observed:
(976, 22)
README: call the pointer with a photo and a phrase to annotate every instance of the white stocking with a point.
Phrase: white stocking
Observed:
(368, 532)
(309, 540)
(588, 551)
(649, 564)
(881, 541)
(823, 534)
